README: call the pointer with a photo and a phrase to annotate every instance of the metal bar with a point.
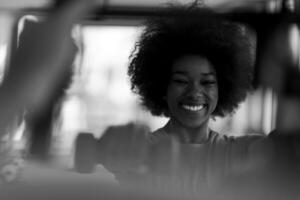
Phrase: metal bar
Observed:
(140, 13)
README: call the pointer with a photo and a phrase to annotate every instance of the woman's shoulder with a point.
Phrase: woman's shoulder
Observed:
(250, 138)
(249, 144)
(217, 138)
(155, 136)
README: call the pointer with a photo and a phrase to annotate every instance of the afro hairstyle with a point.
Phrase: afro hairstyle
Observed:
(164, 39)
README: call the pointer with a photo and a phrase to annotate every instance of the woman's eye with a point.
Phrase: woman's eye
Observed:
(212, 82)
(180, 81)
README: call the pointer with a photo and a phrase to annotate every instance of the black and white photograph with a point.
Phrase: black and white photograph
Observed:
(150, 99)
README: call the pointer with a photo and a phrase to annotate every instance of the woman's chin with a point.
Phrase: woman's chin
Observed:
(194, 123)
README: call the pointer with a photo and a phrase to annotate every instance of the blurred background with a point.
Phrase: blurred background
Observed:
(100, 95)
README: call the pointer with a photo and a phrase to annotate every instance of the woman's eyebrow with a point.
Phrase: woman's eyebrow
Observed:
(180, 72)
(209, 74)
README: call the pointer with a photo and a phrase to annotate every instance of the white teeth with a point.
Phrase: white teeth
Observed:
(193, 108)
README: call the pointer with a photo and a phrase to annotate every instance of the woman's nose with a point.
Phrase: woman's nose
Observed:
(195, 91)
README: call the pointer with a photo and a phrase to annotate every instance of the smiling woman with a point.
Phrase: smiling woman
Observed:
(192, 94)
(191, 70)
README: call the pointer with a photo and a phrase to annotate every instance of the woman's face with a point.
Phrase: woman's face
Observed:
(192, 92)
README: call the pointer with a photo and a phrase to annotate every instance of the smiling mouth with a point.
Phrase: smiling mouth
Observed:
(193, 108)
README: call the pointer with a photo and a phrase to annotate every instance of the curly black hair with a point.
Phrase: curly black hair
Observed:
(165, 39)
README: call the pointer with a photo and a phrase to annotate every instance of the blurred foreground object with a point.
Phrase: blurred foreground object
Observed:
(85, 158)
(40, 63)
(11, 162)
(120, 149)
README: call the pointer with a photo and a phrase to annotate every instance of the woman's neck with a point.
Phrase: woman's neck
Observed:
(186, 134)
